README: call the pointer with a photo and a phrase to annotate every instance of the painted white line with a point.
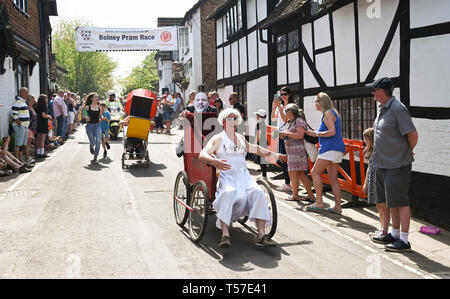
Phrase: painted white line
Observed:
(354, 241)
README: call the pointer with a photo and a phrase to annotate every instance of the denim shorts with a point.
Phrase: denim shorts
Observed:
(392, 186)
(20, 135)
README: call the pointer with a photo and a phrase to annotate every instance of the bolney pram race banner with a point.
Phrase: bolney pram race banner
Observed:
(110, 39)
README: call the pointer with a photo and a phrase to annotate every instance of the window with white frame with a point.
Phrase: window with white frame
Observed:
(22, 5)
(234, 19)
(183, 33)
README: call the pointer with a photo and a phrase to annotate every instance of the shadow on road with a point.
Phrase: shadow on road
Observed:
(138, 169)
(243, 255)
(95, 167)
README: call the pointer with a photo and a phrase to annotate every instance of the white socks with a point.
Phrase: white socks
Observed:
(395, 233)
(40, 151)
(400, 235)
(404, 237)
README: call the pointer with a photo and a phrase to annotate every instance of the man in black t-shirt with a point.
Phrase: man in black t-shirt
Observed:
(234, 101)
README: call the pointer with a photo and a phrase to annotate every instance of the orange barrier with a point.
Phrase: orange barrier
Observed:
(349, 183)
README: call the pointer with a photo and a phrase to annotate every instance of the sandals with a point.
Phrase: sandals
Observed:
(291, 198)
(225, 243)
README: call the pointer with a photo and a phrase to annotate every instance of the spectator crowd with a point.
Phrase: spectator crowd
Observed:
(38, 126)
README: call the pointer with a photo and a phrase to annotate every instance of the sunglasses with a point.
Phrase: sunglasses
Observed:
(232, 119)
(284, 94)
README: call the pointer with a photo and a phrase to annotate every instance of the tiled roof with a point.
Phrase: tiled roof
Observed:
(285, 9)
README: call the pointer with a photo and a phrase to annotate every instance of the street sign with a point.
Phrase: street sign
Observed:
(115, 39)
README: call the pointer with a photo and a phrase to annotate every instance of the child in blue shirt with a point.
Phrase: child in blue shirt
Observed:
(104, 125)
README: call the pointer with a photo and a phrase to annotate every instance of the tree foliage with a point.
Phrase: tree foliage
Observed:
(143, 76)
(87, 71)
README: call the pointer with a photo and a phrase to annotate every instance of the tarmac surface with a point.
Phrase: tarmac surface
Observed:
(69, 218)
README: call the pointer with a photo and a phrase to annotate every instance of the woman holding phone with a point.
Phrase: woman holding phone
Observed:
(279, 114)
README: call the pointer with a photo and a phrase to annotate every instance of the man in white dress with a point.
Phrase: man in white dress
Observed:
(238, 194)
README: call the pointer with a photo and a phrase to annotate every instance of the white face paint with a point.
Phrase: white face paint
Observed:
(201, 102)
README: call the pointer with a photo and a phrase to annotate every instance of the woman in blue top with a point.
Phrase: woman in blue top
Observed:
(331, 152)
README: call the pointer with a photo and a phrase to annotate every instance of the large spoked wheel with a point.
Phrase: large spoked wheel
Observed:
(181, 193)
(198, 217)
(270, 198)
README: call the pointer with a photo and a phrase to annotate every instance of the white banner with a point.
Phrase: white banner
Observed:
(111, 39)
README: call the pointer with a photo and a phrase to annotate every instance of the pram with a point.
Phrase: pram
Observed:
(140, 112)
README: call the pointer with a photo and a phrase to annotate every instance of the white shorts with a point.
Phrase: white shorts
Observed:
(333, 156)
(71, 117)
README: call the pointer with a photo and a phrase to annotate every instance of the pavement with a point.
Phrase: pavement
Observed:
(429, 252)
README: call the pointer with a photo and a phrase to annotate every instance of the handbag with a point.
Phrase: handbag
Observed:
(311, 139)
(311, 150)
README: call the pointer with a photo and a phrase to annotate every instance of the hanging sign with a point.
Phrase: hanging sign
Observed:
(109, 39)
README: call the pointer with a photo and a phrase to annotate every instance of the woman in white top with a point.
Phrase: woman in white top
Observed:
(238, 194)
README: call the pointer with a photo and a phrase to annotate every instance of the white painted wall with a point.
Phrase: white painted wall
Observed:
(235, 58)
(263, 54)
(227, 61)
(324, 65)
(243, 55)
(293, 67)
(322, 35)
(373, 28)
(257, 95)
(262, 10)
(281, 70)
(224, 94)
(219, 65)
(35, 86)
(251, 13)
(219, 32)
(430, 72)
(430, 158)
(423, 13)
(252, 52)
(7, 96)
(345, 45)
(196, 50)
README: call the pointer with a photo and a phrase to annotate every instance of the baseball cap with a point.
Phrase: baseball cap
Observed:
(383, 83)
(261, 112)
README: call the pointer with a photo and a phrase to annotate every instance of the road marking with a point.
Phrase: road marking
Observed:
(354, 241)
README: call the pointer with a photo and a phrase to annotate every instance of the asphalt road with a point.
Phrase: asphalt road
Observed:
(71, 219)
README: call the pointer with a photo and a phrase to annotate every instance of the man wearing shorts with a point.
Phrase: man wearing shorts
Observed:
(394, 141)
(21, 121)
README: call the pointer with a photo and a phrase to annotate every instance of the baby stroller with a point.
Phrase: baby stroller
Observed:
(139, 109)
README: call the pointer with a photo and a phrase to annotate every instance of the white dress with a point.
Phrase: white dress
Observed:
(238, 194)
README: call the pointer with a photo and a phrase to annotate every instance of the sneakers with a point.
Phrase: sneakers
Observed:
(23, 169)
(105, 154)
(265, 241)
(398, 246)
(284, 188)
(95, 160)
(383, 239)
(225, 242)
(91, 148)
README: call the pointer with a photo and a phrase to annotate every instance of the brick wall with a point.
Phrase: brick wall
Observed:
(209, 45)
(25, 27)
